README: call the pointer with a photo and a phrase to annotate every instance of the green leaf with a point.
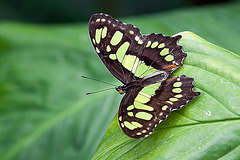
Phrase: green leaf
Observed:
(207, 128)
(45, 114)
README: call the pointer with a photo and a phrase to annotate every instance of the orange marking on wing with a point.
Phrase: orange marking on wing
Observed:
(170, 66)
(171, 79)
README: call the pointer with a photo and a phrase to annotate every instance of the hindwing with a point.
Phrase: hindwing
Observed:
(143, 109)
(128, 54)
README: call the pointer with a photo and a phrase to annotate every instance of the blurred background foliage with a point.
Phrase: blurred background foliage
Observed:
(44, 112)
(62, 11)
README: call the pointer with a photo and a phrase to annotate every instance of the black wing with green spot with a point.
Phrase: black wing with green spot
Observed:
(140, 54)
(143, 109)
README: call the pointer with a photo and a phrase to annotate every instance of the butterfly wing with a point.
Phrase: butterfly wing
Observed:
(128, 54)
(141, 110)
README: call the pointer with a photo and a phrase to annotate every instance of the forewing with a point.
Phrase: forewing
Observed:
(114, 43)
(128, 54)
(143, 109)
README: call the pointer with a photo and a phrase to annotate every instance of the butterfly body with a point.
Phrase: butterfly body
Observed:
(140, 83)
(142, 63)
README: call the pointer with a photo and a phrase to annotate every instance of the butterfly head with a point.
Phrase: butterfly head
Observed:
(121, 89)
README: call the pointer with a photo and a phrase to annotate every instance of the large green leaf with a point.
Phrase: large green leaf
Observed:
(45, 114)
(207, 128)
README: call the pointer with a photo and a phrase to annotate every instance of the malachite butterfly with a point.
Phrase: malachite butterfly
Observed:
(142, 63)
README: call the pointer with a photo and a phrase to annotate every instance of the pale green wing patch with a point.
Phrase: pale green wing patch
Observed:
(117, 37)
(122, 51)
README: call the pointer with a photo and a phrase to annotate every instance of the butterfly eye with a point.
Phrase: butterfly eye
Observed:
(120, 91)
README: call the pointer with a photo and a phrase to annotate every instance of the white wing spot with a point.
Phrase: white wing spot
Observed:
(140, 41)
(120, 118)
(137, 38)
(97, 50)
(103, 20)
(98, 20)
(131, 32)
(94, 42)
(174, 62)
(122, 27)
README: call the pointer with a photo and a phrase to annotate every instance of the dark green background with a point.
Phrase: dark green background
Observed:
(61, 11)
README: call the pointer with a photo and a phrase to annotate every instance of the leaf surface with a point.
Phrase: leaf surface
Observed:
(45, 114)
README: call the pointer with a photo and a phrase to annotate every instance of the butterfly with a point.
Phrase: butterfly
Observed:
(143, 64)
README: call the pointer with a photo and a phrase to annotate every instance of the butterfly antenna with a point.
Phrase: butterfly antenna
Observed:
(98, 81)
(100, 91)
